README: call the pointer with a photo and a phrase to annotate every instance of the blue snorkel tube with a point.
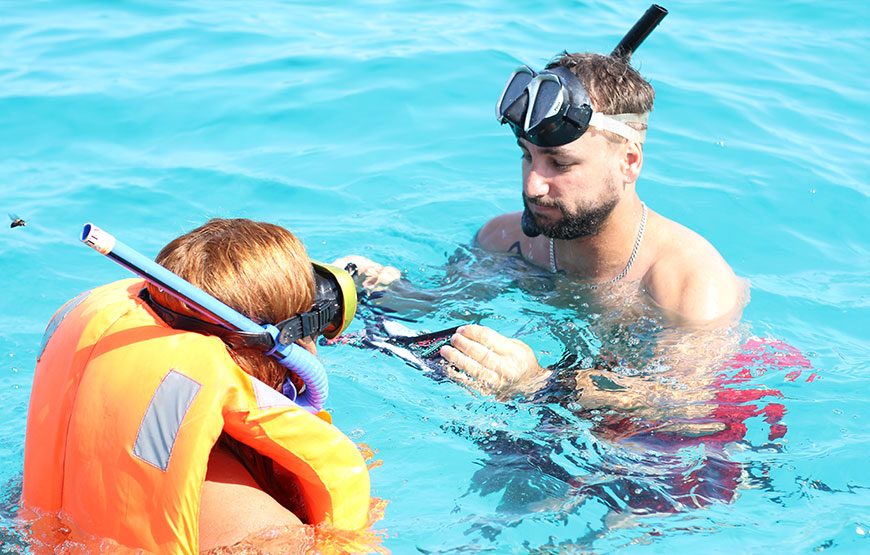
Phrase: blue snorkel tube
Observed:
(309, 369)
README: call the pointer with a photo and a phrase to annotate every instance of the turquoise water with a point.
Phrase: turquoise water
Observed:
(368, 127)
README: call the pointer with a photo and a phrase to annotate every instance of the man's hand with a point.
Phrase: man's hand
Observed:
(494, 364)
(369, 275)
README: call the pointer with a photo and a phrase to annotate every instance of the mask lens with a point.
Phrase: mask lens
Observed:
(516, 112)
(336, 287)
(513, 90)
(547, 101)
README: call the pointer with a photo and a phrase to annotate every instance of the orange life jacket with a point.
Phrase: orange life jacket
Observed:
(125, 411)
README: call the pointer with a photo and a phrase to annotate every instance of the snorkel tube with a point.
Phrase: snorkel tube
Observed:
(639, 32)
(309, 369)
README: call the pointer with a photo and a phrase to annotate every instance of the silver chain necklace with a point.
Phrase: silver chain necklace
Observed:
(624, 272)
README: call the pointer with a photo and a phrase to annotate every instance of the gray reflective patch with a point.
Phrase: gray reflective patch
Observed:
(268, 397)
(163, 419)
(58, 318)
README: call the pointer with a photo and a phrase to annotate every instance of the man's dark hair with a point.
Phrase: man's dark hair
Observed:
(614, 86)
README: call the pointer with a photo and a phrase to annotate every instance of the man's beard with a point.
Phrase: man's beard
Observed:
(586, 223)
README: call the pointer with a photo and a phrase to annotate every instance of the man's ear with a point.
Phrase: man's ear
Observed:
(632, 162)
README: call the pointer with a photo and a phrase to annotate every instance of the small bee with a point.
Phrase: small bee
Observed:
(16, 221)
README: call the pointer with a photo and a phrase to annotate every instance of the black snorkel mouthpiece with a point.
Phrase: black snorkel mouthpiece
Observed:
(529, 226)
(639, 32)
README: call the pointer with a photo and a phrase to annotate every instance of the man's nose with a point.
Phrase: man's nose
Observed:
(535, 184)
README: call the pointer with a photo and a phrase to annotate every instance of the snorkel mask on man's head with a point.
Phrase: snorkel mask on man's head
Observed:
(552, 107)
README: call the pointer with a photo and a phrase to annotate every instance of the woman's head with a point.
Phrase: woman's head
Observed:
(259, 269)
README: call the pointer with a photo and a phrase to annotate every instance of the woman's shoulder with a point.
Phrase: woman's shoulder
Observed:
(233, 507)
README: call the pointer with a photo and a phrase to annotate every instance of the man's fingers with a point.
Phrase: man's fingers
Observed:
(487, 337)
(471, 367)
(389, 274)
(462, 361)
(473, 349)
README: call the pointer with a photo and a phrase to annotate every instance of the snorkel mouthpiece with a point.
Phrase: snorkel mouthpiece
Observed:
(528, 225)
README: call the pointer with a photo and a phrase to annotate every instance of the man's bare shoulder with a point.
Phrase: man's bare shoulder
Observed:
(502, 233)
(688, 277)
(505, 234)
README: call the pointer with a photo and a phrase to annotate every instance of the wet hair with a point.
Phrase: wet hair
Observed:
(259, 269)
(614, 86)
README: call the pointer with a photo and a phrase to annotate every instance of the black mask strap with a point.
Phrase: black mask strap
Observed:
(307, 324)
(235, 339)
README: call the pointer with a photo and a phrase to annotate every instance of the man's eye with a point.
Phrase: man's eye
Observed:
(560, 165)
(525, 155)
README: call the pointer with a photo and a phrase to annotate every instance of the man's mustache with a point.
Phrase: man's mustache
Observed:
(542, 203)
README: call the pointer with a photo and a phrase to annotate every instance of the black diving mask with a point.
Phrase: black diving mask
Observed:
(552, 107)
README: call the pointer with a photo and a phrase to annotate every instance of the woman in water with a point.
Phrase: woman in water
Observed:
(169, 440)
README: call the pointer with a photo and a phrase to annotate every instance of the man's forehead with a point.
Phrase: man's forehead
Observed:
(570, 148)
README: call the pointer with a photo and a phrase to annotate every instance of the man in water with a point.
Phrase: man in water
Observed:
(580, 125)
(583, 216)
